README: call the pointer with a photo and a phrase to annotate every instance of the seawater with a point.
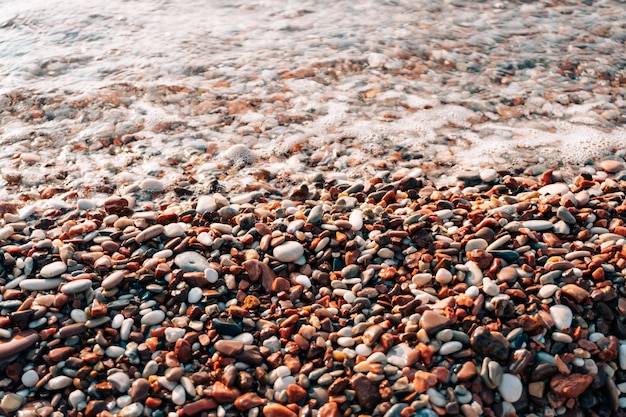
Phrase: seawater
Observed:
(109, 92)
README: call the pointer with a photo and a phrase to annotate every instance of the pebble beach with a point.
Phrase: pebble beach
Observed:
(265, 212)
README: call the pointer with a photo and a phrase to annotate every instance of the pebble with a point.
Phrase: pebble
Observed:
(153, 317)
(30, 378)
(53, 269)
(152, 185)
(191, 262)
(11, 402)
(510, 387)
(120, 381)
(538, 225)
(194, 295)
(288, 252)
(356, 220)
(58, 383)
(562, 316)
(76, 286)
(558, 188)
(449, 348)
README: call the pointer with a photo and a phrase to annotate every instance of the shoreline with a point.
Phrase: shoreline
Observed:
(390, 297)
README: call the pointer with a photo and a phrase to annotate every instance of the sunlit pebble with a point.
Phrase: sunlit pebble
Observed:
(612, 166)
(29, 158)
(152, 185)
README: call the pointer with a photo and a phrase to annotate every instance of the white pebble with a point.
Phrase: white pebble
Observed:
(30, 378)
(490, 288)
(356, 220)
(562, 316)
(288, 252)
(211, 275)
(53, 269)
(510, 387)
(451, 347)
(179, 395)
(194, 295)
(443, 276)
(153, 317)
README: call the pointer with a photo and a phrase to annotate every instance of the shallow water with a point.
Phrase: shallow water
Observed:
(108, 93)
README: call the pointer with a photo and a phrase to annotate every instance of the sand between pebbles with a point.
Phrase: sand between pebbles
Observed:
(502, 294)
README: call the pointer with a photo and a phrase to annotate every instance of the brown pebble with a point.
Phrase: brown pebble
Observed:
(139, 389)
(20, 342)
(277, 410)
(229, 347)
(570, 386)
(467, 372)
(575, 292)
(248, 401)
(197, 407)
(330, 409)
(366, 392)
(433, 322)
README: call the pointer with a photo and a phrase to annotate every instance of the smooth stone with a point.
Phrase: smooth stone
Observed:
(490, 288)
(114, 351)
(547, 290)
(172, 334)
(58, 382)
(622, 357)
(30, 378)
(211, 275)
(76, 397)
(113, 280)
(133, 410)
(152, 185)
(315, 215)
(194, 295)
(149, 233)
(562, 316)
(206, 203)
(488, 174)
(289, 251)
(398, 355)
(612, 166)
(153, 317)
(11, 402)
(18, 343)
(356, 220)
(436, 398)
(510, 387)
(558, 188)
(538, 225)
(191, 261)
(473, 244)
(433, 322)
(443, 276)
(37, 284)
(575, 292)
(77, 286)
(451, 347)
(53, 269)
(174, 230)
(179, 395)
(563, 214)
(120, 381)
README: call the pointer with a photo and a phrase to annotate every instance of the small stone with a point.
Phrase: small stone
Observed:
(315, 215)
(547, 290)
(570, 386)
(153, 317)
(133, 410)
(443, 276)
(152, 185)
(366, 392)
(451, 347)
(53, 269)
(139, 390)
(194, 295)
(149, 233)
(30, 378)
(510, 387)
(76, 286)
(356, 220)
(288, 251)
(120, 381)
(562, 316)
(11, 402)
(474, 244)
(172, 334)
(558, 188)
(372, 334)
(488, 174)
(58, 383)
(229, 347)
(191, 261)
(179, 396)
(433, 322)
(575, 292)
(536, 389)
(248, 401)
(538, 225)
(612, 166)
(467, 372)
(277, 410)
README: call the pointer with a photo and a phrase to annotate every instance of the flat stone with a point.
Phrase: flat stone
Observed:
(30, 378)
(451, 347)
(172, 334)
(18, 343)
(194, 295)
(11, 402)
(248, 401)
(467, 372)
(37, 284)
(152, 185)
(538, 225)
(76, 286)
(562, 316)
(356, 220)
(488, 174)
(563, 214)
(229, 347)
(473, 244)
(153, 317)
(132, 410)
(139, 389)
(575, 292)
(289, 251)
(179, 395)
(315, 215)
(570, 386)
(59, 382)
(149, 233)
(558, 188)
(612, 166)
(372, 334)
(433, 322)
(114, 279)
(366, 392)
(53, 269)
(191, 261)
(277, 410)
(120, 381)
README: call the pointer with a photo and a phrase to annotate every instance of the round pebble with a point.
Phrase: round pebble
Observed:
(288, 251)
